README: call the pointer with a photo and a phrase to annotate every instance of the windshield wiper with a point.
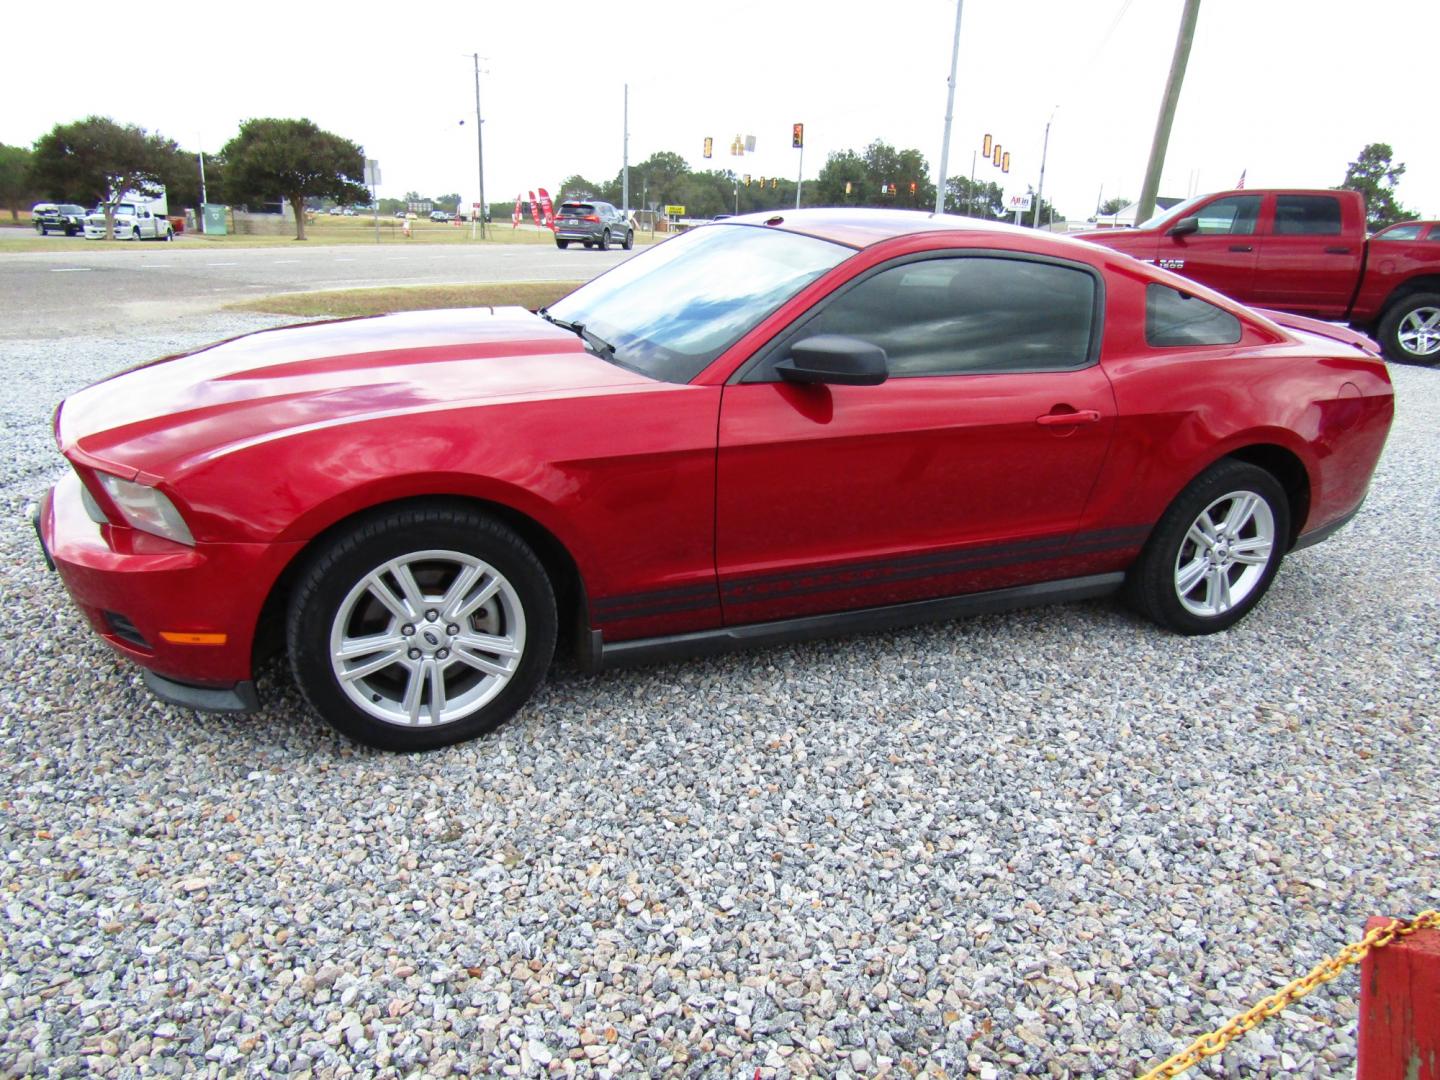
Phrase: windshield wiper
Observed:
(594, 340)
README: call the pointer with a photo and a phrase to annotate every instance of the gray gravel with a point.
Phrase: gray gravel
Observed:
(1053, 843)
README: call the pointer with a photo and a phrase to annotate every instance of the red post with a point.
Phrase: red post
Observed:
(1400, 1008)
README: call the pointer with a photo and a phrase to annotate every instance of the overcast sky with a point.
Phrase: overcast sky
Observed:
(1287, 91)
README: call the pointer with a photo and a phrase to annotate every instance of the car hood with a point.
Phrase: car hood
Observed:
(152, 419)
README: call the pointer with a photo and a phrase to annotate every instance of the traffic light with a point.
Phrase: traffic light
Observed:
(912, 187)
(986, 146)
(747, 179)
(1005, 162)
(847, 187)
(709, 145)
(996, 156)
(797, 135)
(774, 183)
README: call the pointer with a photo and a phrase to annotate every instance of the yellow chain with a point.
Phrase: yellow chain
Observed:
(1216, 1041)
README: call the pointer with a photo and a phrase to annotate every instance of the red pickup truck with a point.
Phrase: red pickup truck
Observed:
(1302, 251)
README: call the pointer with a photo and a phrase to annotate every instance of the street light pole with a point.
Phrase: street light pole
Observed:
(625, 160)
(1044, 151)
(480, 144)
(949, 114)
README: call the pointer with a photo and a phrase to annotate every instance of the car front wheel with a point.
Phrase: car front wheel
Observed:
(1410, 330)
(562, 244)
(629, 239)
(421, 627)
(1215, 551)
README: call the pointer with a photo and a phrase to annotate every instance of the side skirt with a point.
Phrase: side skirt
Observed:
(597, 654)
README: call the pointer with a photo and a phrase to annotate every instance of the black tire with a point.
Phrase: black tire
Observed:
(1156, 580)
(135, 235)
(169, 233)
(1423, 307)
(332, 598)
(604, 244)
(588, 245)
(629, 239)
(562, 244)
(41, 229)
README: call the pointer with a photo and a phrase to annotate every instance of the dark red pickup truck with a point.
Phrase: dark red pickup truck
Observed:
(1303, 251)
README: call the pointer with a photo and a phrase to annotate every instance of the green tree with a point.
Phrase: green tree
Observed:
(1375, 176)
(295, 160)
(978, 198)
(182, 179)
(97, 161)
(1111, 207)
(450, 202)
(16, 189)
(881, 176)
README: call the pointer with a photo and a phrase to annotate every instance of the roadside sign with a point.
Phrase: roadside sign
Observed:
(675, 211)
(372, 173)
(1020, 202)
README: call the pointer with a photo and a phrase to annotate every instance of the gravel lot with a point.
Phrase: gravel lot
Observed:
(1054, 843)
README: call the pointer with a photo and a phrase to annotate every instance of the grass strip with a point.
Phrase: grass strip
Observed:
(345, 303)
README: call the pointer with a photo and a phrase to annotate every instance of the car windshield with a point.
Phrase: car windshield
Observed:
(71, 209)
(124, 211)
(1175, 213)
(671, 311)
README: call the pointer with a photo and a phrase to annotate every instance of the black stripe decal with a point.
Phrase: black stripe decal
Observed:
(777, 585)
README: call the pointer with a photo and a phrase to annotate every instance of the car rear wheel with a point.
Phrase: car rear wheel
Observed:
(1410, 330)
(421, 627)
(1215, 551)
(604, 244)
(629, 239)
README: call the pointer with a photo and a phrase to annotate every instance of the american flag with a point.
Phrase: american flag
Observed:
(1241, 184)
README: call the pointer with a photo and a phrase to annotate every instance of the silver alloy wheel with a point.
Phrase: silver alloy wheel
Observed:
(1225, 553)
(1419, 332)
(428, 638)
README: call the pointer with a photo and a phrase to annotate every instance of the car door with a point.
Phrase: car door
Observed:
(1223, 252)
(1311, 260)
(965, 470)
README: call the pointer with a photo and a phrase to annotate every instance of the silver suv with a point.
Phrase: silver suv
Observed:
(594, 224)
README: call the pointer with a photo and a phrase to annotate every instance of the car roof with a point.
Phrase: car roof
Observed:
(863, 227)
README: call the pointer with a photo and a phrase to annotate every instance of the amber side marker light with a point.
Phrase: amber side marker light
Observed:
(186, 637)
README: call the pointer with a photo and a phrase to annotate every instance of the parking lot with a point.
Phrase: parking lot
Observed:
(91, 287)
(1058, 843)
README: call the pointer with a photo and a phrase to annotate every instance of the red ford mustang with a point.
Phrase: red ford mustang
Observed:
(766, 429)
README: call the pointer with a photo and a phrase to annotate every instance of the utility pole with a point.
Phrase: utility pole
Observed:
(625, 160)
(480, 144)
(949, 114)
(1156, 165)
(1044, 152)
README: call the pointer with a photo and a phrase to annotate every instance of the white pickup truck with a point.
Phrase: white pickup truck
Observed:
(137, 217)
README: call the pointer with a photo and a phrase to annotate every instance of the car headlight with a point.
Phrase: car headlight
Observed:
(147, 509)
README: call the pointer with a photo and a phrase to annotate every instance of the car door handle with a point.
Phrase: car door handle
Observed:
(1063, 419)
(1241, 247)
(1337, 251)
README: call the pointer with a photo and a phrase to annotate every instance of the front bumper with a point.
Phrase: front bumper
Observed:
(144, 595)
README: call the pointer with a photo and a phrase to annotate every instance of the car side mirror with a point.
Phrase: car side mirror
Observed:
(835, 359)
(1185, 226)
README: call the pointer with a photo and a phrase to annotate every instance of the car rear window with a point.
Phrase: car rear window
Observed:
(1174, 318)
(576, 208)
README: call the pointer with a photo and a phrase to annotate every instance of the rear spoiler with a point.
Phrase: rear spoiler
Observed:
(1320, 328)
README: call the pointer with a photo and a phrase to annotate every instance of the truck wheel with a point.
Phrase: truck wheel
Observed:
(1410, 330)
(40, 228)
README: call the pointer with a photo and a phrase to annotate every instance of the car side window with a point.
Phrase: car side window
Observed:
(1175, 319)
(1233, 216)
(1307, 215)
(968, 315)
(1403, 232)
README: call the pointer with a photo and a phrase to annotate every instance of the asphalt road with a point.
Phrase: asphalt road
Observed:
(93, 288)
